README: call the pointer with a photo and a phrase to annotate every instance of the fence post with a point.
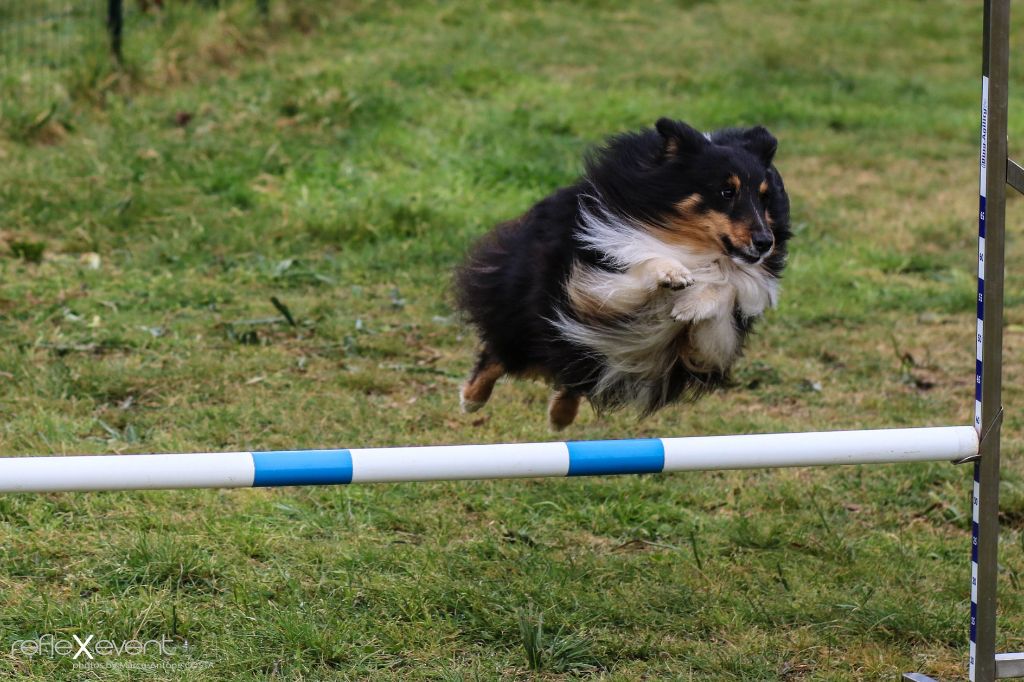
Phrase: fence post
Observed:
(115, 25)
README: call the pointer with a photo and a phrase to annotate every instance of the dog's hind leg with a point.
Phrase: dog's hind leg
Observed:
(563, 408)
(476, 391)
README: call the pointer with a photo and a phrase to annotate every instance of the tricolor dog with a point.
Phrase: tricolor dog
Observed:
(638, 284)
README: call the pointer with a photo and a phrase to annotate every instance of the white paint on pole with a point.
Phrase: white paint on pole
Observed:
(821, 448)
(126, 472)
(459, 462)
(983, 161)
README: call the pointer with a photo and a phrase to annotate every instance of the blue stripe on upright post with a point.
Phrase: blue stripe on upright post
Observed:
(302, 467)
(595, 458)
(977, 382)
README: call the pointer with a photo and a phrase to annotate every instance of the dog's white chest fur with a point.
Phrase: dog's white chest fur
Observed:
(707, 309)
(638, 325)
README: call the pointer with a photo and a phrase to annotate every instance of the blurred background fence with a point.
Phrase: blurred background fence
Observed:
(43, 43)
(52, 49)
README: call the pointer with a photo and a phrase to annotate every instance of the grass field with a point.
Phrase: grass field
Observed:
(339, 159)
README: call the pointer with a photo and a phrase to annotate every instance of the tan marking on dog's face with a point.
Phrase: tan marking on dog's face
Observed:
(689, 205)
(764, 187)
(734, 180)
(703, 231)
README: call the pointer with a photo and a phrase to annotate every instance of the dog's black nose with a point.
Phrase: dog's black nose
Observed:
(763, 243)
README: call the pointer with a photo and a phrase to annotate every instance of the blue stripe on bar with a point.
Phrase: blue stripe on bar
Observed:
(302, 467)
(974, 541)
(637, 456)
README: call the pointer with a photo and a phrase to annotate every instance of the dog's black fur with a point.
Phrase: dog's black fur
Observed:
(513, 284)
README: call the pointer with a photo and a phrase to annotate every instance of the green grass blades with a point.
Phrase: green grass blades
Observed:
(243, 240)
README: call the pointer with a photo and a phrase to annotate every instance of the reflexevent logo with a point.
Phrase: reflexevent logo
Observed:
(89, 651)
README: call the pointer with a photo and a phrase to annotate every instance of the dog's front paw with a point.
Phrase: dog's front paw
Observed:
(674, 277)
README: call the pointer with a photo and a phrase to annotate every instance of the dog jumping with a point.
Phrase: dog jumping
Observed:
(638, 284)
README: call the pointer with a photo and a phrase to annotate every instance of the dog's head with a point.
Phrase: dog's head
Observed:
(726, 194)
(717, 192)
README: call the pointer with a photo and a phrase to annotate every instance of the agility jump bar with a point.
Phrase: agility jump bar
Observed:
(460, 462)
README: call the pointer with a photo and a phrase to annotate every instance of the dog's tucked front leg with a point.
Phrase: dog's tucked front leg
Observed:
(597, 293)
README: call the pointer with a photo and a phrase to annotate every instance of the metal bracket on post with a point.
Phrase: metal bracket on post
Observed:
(1015, 175)
(994, 427)
(996, 423)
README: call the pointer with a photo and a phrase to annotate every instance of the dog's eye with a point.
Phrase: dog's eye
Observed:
(728, 193)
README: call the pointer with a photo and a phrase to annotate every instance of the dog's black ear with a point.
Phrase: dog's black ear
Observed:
(679, 138)
(761, 143)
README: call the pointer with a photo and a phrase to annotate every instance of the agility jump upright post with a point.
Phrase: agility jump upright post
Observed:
(996, 169)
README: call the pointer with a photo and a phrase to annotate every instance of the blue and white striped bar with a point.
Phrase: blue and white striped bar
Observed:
(459, 462)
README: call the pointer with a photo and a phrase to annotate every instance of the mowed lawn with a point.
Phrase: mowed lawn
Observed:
(339, 159)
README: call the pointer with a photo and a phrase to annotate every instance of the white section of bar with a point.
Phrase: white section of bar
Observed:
(126, 472)
(458, 462)
(822, 448)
